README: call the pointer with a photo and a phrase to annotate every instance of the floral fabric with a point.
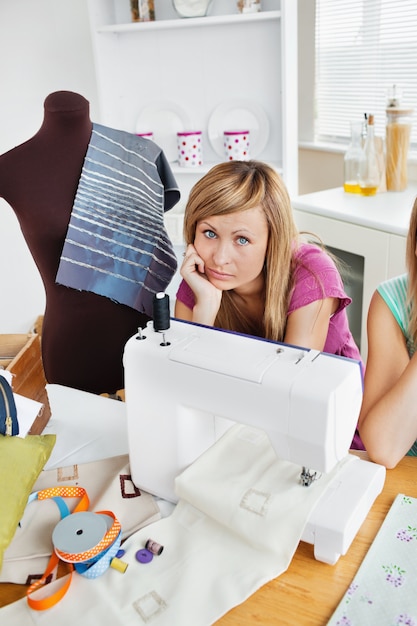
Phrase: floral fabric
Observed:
(384, 590)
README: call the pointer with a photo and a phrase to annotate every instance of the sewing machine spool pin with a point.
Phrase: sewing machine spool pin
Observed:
(139, 336)
(164, 342)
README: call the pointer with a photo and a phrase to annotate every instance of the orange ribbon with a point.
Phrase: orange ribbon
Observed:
(108, 539)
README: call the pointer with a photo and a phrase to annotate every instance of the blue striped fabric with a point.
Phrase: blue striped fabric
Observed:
(116, 244)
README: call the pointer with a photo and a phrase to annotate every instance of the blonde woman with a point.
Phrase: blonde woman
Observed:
(246, 268)
(388, 419)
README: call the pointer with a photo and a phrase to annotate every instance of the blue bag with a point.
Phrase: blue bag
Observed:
(8, 413)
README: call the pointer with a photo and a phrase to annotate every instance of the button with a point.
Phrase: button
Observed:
(144, 556)
(120, 553)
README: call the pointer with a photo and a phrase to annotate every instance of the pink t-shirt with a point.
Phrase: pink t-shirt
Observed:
(316, 278)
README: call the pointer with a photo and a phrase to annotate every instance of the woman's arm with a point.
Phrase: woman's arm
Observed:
(388, 418)
(182, 311)
(308, 326)
(207, 296)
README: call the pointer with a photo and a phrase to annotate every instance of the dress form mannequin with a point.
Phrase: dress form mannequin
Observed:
(83, 334)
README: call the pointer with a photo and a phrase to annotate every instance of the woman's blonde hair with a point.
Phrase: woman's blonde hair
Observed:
(235, 186)
(411, 262)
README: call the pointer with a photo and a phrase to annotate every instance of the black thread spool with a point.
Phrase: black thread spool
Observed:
(161, 314)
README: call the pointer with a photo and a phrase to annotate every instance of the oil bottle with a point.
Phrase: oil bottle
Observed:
(369, 172)
(353, 158)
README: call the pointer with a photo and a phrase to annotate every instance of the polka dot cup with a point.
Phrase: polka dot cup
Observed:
(236, 145)
(190, 152)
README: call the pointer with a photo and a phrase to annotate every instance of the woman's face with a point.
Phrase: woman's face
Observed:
(233, 248)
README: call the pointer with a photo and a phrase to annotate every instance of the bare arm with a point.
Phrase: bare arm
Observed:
(207, 297)
(182, 312)
(308, 326)
(388, 418)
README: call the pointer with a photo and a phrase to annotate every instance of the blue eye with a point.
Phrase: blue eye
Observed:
(242, 241)
(209, 234)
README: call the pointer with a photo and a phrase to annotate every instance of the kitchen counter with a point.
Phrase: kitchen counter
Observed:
(388, 212)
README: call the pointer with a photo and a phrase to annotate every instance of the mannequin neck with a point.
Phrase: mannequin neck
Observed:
(66, 111)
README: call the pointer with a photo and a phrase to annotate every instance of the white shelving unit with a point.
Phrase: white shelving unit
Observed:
(189, 23)
(198, 65)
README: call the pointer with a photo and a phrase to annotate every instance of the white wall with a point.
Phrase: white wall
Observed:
(44, 47)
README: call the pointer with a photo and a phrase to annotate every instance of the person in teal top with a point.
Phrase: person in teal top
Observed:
(388, 418)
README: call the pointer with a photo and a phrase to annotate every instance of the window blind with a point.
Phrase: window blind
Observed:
(363, 48)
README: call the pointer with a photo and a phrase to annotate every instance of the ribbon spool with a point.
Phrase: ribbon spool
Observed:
(87, 541)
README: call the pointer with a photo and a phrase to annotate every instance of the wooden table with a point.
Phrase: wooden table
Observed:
(309, 591)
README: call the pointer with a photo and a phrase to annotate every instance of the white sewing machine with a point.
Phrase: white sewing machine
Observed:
(186, 386)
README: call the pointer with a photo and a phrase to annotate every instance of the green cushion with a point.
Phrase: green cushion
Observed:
(21, 462)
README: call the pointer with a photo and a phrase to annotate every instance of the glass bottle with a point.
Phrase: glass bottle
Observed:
(353, 157)
(369, 173)
(398, 131)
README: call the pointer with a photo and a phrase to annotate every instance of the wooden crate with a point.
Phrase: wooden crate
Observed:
(21, 355)
(10, 346)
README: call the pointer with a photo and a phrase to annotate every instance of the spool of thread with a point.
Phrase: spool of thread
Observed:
(116, 563)
(154, 547)
(161, 313)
